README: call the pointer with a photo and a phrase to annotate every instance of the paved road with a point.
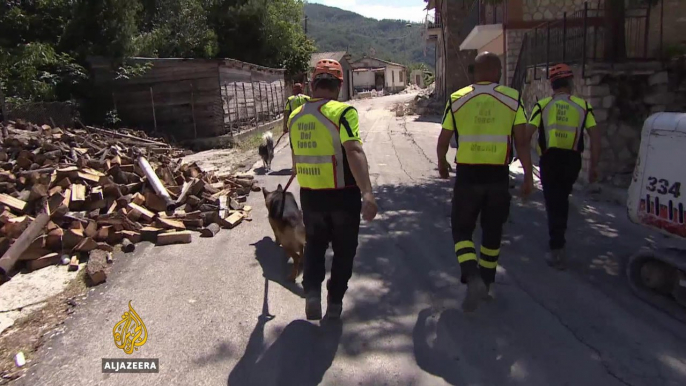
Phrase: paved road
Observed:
(205, 304)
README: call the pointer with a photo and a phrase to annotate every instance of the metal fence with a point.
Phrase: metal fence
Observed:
(247, 104)
(580, 38)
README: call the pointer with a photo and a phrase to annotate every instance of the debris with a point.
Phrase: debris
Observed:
(19, 359)
(96, 267)
(69, 191)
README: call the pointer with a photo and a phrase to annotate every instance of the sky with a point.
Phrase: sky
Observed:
(412, 10)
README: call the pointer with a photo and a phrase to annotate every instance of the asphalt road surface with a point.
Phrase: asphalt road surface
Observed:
(219, 311)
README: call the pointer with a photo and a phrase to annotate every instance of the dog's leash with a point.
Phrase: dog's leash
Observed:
(279, 140)
(283, 200)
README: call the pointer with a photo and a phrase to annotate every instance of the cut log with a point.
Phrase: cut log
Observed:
(183, 237)
(166, 223)
(44, 261)
(235, 219)
(78, 193)
(193, 223)
(91, 229)
(105, 247)
(154, 202)
(131, 236)
(156, 183)
(145, 214)
(38, 191)
(86, 245)
(33, 253)
(103, 233)
(235, 205)
(96, 268)
(74, 263)
(138, 199)
(127, 246)
(150, 233)
(210, 231)
(14, 203)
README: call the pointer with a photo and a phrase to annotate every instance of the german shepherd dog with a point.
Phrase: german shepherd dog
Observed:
(286, 221)
(266, 150)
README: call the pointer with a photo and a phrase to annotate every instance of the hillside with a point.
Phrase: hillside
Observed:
(334, 29)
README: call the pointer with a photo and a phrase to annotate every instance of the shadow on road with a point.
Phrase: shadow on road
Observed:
(261, 171)
(301, 355)
(276, 265)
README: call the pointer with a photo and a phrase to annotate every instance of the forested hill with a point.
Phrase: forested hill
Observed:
(334, 29)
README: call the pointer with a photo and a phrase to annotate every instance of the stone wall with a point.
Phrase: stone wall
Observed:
(457, 62)
(513, 41)
(622, 99)
(549, 9)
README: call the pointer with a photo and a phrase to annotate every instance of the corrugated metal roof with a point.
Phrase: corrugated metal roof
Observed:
(317, 56)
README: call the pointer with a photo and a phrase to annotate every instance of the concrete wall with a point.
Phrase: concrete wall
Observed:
(395, 78)
(417, 78)
(514, 45)
(363, 80)
(622, 97)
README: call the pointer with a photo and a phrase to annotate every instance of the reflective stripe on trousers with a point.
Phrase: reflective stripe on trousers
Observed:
(312, 108)
(548, 127)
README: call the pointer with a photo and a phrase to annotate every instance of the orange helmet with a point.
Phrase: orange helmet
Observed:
(560, 71)
(328, 68)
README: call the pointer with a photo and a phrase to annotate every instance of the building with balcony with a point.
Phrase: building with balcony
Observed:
(628, 61)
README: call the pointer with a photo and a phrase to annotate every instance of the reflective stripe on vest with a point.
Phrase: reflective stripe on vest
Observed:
(335, 160)
(485, 149)
(558, 134)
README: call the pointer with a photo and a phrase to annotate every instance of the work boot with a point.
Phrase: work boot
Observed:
(333, 310)
(556, 258)
(476, 290)
(313, 307)
(489, 295)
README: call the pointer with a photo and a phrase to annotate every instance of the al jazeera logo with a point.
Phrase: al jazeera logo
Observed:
(130, 334)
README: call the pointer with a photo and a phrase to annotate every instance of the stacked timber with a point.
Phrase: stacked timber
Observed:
(65, 193)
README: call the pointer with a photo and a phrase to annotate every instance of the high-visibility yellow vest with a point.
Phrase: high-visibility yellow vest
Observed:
(562, 121)
(484, 115)
(316, 141)
(295, 101)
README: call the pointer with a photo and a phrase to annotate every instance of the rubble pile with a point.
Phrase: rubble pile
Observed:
(67, 194)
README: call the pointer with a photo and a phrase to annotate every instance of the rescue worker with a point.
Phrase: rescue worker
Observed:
(560, 121)
(294, 101)
(484, 117)
(333, 174)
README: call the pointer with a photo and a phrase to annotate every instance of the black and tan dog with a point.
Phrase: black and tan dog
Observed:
(286, 221)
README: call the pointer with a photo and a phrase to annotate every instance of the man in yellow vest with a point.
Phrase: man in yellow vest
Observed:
(333, 174)
(294, 101)
(560, 121)
(484, 117)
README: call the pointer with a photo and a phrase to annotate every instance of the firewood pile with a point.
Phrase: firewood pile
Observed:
(70, 194)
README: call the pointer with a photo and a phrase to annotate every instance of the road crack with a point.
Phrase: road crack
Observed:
(412, 140)
(597, 351)
(397, 156)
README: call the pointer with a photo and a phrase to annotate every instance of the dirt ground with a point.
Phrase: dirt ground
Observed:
(33, 306)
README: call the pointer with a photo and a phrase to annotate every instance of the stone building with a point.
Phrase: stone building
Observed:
(531, 35)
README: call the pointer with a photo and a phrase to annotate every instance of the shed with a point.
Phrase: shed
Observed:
(388, 76)
(190, 99)
(344, 59)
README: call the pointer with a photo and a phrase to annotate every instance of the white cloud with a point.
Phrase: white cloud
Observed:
(411, 13)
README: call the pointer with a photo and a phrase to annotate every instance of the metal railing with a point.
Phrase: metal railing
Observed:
(481, 14)
(433, 21)
(580, 38)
